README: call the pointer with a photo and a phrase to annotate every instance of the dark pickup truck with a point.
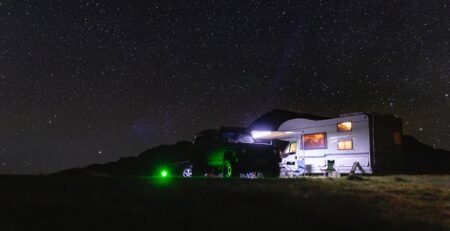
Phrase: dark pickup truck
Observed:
(232, 152)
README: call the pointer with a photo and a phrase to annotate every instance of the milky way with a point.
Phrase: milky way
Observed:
(85, 82)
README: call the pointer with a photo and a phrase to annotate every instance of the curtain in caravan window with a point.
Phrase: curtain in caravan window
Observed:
(315, 141)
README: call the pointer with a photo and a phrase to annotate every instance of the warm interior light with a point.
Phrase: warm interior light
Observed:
(397, 138)
(345, 144)
(314, 141)
(344, 126)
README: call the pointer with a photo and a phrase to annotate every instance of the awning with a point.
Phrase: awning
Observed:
(270, 135)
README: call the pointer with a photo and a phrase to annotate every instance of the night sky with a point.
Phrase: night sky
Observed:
(85, 82)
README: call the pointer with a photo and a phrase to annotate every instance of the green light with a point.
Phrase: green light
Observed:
(161, 176)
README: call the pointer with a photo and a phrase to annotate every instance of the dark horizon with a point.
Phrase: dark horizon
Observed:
(88, 82)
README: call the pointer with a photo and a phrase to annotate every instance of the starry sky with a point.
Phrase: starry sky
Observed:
(90, 81)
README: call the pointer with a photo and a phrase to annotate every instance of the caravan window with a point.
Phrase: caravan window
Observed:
(344, 126)
(315, 141)
(397, 137)
(345, 144)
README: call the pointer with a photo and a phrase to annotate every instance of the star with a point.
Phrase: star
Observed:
(77, 76)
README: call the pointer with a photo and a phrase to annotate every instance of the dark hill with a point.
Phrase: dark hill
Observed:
(142, 165)
(424, 159)
(419, 158)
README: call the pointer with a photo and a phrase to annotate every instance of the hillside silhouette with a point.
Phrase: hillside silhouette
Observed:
(424, 159)
(142, 165)
(419, 158)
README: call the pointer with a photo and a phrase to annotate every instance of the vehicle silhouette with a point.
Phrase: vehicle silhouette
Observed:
(232, 152)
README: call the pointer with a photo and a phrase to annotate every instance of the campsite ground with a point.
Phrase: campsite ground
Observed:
(399, 202)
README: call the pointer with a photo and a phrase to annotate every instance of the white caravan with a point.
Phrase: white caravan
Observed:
(360, 143)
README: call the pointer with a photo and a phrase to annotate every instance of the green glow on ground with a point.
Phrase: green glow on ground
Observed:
(161, 176)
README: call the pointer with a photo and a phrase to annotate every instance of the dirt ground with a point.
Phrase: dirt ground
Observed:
(401, 202)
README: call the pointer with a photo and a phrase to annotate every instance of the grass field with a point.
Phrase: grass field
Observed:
(312, 203)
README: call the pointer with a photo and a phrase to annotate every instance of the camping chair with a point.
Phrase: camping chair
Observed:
(330, 171)
(301, 167)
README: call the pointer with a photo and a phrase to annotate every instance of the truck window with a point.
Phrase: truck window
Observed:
(234, 137)
(246, 138)
(291, 148)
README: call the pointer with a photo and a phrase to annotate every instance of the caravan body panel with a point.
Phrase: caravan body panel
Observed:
(343, 141)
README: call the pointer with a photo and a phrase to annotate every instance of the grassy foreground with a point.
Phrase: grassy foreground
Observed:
(88, 203)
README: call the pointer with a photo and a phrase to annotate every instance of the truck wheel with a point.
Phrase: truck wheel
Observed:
(229, 168)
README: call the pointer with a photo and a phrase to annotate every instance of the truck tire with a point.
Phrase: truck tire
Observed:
(229, 168)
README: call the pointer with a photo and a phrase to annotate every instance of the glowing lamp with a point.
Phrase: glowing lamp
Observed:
(259, 134)
(164, 173)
